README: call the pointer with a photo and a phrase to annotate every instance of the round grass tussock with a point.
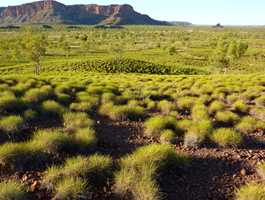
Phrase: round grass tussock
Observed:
(70, 188)
(52, 108)
(167, 137)
(138, 170)
(247, 125)
(12, 190)
(253, 191)
(197, 133)
(226, 117)
(86, 139)
(155, 125)
(21, 157)
(11, 124)
(226, 137)
(95, 169)
(73, 121)
(54, 142)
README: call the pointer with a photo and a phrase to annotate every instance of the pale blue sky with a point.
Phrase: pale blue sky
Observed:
(228, 12)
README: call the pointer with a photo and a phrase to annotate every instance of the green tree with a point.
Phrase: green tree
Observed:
(172, 51)
(35, 45)
(242, 48)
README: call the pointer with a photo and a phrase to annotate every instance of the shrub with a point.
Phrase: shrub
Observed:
(51, 108)
(165, 107)
(156, 125)
(253, 191)
(240, 106)
(37, 95)
(197, 133)
(186, 103)
(82, 107)
(21, 156)
(199, 112)
(86, 139)
(53, 142)
(124, 112)
(138, 171)
(30, 115)
(226, 137)
(261, 170)
(260, 101)
(11, 124)
(184, 124)
(70, 188)
(95, 169)
(247, 125)
(73, 121)
(216, 106)
(11, 190)
(259, 113)
(167, 137)
(9, 103)
(107, 98)
(226, 117)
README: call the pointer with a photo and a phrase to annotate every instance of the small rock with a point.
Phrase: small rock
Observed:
(243, 172)
(34, 185)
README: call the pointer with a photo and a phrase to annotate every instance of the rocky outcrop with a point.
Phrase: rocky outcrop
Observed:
(50, 11)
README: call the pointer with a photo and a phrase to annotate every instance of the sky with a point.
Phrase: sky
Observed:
(226, 12)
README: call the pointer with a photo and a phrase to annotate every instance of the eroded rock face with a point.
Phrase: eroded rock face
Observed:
(54, 12)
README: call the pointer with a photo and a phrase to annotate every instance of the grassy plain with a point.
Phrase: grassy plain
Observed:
(180, 127)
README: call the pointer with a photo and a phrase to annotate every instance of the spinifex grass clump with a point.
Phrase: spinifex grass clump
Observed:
(253, 191)
(122, 112)
(11, 124)
(71, 188)
(36, 95)
(249, 125)
(12, 190)
(9, 103)
(165, 107)
(54, 142)
(74, 121)
(197, 133)
(226, 118)
(240, 106)
(261, 170)
(138, 173)
(82, 107)
(21, 156)
(156, 125)
(93, 171)
(216, 106)
(85, 139)
(227, 137)
(167, 137)
(52, 109)
(186, 103)
(199, 112)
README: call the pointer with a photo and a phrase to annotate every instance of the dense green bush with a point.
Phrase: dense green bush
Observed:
(127, 65)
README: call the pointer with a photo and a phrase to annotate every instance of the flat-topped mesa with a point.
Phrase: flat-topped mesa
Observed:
(50, 11)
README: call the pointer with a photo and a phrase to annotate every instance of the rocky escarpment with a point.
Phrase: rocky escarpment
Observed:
(50, 11)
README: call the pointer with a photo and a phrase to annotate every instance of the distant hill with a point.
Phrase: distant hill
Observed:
(53, 12)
